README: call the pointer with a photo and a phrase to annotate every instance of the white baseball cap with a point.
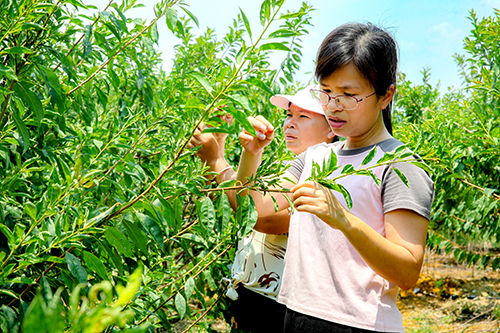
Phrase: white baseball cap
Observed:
(303, 99)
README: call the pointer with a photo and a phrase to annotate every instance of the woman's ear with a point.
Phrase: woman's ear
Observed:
(387, 98)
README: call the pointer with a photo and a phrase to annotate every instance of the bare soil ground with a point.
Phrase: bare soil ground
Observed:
(452, 298)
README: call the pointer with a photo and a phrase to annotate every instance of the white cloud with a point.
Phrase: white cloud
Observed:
(492, 3)
(445, 31)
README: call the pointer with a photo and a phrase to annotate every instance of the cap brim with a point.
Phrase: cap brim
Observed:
(306, 103)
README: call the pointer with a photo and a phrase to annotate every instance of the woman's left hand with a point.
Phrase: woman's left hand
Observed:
(316, 199)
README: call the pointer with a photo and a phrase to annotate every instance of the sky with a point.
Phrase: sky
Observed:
(428, 32)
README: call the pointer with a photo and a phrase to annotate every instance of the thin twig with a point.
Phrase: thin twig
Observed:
(31, 286)
(119, 51)
(181, 288)
(81, 37)
(205, 313)
(188, 139)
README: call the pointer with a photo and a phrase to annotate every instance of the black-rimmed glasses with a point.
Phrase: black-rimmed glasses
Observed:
(342, 101)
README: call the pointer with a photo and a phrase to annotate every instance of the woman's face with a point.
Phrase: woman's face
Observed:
(364, 125)
(303, 128)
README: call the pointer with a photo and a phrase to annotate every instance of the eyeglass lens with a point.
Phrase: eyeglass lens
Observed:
(344, 102)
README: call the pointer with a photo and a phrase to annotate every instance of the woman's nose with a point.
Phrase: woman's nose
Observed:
(333, 105)
(289, 123)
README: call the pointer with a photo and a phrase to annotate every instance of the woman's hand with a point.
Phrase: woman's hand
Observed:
(211, 145)
(265, 134)
(210, 151)
(316, 199)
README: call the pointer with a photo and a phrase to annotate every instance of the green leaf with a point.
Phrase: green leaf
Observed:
(75, 267)
(152, 227)
(206, 213)
(186, 187)
(290, 202)
(123, 18)
(346, 194)
(370, 156)
(194, 18)
(259, 84)
(8, 72)
(241, 117)
(275, 46)
(21, 127)
(265, 12)
(227, 183)
(9, 293)
(32, 101)
(100, 217)
(223, 212)
(246, 214)
(189, 287)
(330, 164)
(30, 209)
(118, 241)
(247, 24)
(210, 279)
(401, 176)
(171, 18)
(8, 233)
(387, 157)
(180, 305)
(116, 260)
(94, 264)
(283, 33)
(369, 173)
(16, 50)
(194, 238)
(347, 169)
(332, 185)
(202, 79)
(87, 48)
(136, 235)
(240, 53)
(155, 36)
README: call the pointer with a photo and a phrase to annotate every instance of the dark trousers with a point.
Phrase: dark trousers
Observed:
(256, 313)
(296, 322)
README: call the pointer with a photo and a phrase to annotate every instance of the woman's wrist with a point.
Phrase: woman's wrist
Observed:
(221, 167)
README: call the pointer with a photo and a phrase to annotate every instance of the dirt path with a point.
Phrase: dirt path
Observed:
(452, 298)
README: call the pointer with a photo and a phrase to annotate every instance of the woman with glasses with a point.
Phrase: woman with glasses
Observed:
(344, 267)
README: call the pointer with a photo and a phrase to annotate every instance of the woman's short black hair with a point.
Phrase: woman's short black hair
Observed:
(371, 49)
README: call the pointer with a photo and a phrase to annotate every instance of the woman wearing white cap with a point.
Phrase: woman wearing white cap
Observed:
(259, 261)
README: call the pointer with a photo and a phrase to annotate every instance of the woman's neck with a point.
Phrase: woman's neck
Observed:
(367, 139)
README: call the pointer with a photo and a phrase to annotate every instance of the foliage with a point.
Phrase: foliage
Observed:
(96, 181)
(95, 176)
(459, 137)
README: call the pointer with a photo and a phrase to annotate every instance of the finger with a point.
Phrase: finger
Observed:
(228, 118)
(265, 122)
(305, 200)
(308, 184)
(258, 124)
(306, 209)
(305, 193)
(195, 141)
(245, 136)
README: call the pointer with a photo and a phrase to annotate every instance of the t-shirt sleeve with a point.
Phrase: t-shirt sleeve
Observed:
(297, 165)
(417, 196)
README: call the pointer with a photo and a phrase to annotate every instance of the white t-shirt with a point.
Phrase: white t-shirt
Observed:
(258, 264)
(324, 275)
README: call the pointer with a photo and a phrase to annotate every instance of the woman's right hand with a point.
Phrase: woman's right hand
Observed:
(265, 134)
